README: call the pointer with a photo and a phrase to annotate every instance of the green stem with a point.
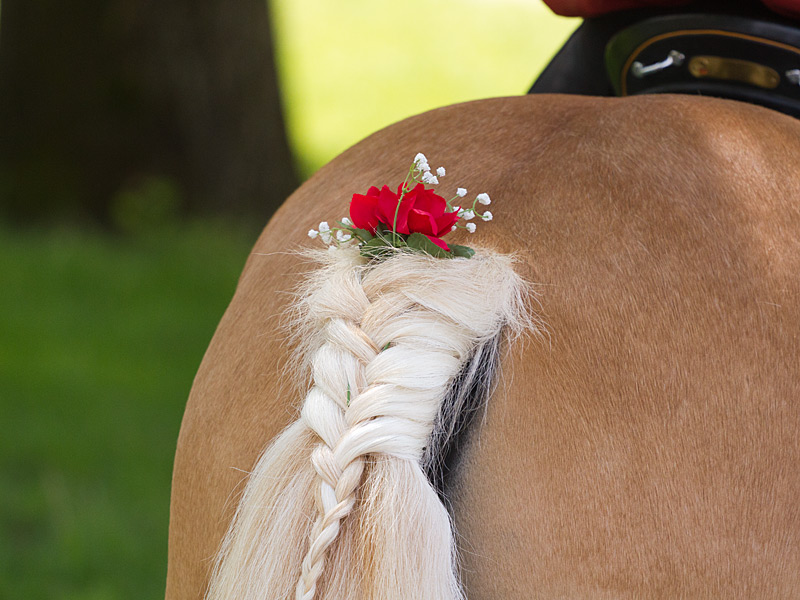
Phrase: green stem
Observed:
(397, 208)
(410, 174)
(396, 213)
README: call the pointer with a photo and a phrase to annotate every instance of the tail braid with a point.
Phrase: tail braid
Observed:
(385, 343)
(339, 458)
(339, 475)
(393, 414)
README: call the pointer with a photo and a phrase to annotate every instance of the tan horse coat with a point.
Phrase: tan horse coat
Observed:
(650, 448)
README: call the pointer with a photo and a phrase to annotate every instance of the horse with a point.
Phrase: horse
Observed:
(646, 443)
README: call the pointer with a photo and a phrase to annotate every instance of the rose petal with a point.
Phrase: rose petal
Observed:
(445, 223)
(428, 201)
(387, 207)
(363, 210)
(421, 222)
(441, 243)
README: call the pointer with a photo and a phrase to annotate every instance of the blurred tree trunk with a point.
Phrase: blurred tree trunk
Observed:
(97, 96)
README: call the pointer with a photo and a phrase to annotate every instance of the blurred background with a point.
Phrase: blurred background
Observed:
(143, 146)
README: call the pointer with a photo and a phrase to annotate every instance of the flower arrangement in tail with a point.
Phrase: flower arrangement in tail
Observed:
(412, 217)
(341, 506)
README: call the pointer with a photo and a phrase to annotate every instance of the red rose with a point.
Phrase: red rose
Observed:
(426, 212)
(364, 207)
(421, 211)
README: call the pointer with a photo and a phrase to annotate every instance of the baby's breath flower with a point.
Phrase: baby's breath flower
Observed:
(484, 199)
(421, 163)
(347, 222)
(326, 237)
(430, 179)
(342, 236)
(312, 233)
(453, 228)
(487, 216)
(323, 227)
(471, 227)
(467, 214)
(441, 172)
(461, 192)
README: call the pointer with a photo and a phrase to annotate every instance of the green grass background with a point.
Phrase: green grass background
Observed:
(100, 340)
(100, 336)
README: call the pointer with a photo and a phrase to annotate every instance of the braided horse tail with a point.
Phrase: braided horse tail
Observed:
(339, 506)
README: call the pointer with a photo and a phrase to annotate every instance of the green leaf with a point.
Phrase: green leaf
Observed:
(462, 251)
(377, 242)
(376, 248)
(420, 242)
(361, 234)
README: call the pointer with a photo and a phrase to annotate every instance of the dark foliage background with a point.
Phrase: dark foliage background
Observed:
(122, 111)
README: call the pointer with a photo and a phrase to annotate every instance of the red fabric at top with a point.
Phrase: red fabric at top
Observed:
(594, 8)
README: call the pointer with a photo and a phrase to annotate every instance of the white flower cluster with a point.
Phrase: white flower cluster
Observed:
(421, 166)
(469, 213)
(326, 234)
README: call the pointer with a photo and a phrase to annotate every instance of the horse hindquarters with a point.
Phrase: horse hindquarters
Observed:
(648, 450)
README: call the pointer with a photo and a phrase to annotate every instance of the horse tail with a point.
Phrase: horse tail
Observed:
(339, 507)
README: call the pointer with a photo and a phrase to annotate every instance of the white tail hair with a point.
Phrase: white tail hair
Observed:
(339, 506)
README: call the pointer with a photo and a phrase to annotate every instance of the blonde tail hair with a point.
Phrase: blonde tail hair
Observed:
(339, 506)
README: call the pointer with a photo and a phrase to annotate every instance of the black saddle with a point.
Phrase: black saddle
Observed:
(741, 52)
